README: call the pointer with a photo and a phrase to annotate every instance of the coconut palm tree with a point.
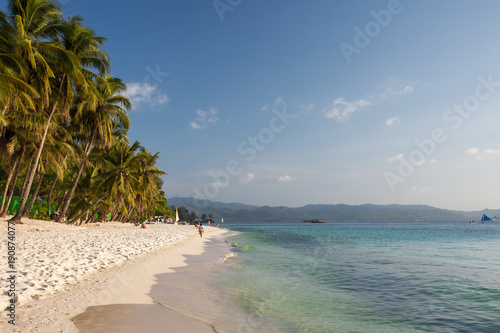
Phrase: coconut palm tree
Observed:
(52, 70)
(99, 124)
(149, 175)
(117, 176)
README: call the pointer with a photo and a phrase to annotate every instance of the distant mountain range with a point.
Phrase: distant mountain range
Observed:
(236, 212)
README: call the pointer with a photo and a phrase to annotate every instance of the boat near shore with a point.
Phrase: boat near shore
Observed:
(314, 221)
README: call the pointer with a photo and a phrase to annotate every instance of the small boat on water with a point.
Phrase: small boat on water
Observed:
(314, 221)
(485, 218)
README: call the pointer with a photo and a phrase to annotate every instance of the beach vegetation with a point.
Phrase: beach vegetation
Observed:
(64, 123)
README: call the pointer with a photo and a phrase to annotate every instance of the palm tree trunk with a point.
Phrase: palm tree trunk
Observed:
(33, 198)
(9, 178)
(49, 197)
(23, 188)
(20, 212)
(72, 192)
(113, 217)
(104, 217)
(11, 192)
(88, 209)
(126, 217)
(88, 148)
(63, 199)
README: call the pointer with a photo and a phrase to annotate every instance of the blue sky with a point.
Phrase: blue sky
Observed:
(291, 102)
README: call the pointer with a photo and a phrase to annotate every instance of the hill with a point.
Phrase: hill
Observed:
(335, 212)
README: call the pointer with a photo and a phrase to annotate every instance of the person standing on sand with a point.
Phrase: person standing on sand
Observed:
(200, 230)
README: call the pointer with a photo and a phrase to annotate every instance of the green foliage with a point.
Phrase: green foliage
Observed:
(39, 211)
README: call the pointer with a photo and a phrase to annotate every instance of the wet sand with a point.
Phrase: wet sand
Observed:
(133, 318)
(186, 300)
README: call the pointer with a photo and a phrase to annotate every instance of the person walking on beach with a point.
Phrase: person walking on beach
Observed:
(200, 230)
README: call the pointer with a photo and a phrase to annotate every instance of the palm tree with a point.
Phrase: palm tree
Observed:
(118, 176)
(148, 182)
(99, 124)
(52, 70)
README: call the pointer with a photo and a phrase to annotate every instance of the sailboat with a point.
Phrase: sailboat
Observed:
(485, 218)
(221, 220)
(176, 216)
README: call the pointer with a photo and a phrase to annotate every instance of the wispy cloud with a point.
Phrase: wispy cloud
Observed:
(204, 118)
(285, 178)
(395, 158)
(392, 121)
(144, 93)
(342, 109)
(394, 87)
(479, 154)
(400, 157)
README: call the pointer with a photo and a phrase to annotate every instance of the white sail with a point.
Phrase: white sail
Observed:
(221, 220)
(176, 215)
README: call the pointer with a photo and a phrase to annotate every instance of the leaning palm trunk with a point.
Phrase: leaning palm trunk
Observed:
(20, 212)
(89, 209)
(33, 198)
(23, 188)
(9, 178)
(75, 183)
(49, 197)
(72, 191)
(11, 192)
(104, 217)
(65, 194)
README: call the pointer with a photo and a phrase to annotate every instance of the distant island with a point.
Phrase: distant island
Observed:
(238, 212)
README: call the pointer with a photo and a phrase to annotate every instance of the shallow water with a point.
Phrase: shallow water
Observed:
(367, 277)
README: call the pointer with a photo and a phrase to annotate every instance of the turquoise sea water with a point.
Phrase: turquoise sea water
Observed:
(367, 276)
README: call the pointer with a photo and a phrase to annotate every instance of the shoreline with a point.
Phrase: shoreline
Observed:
(183, 301)
(72, 268)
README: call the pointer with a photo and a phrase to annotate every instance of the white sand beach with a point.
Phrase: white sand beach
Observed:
(61, 270)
